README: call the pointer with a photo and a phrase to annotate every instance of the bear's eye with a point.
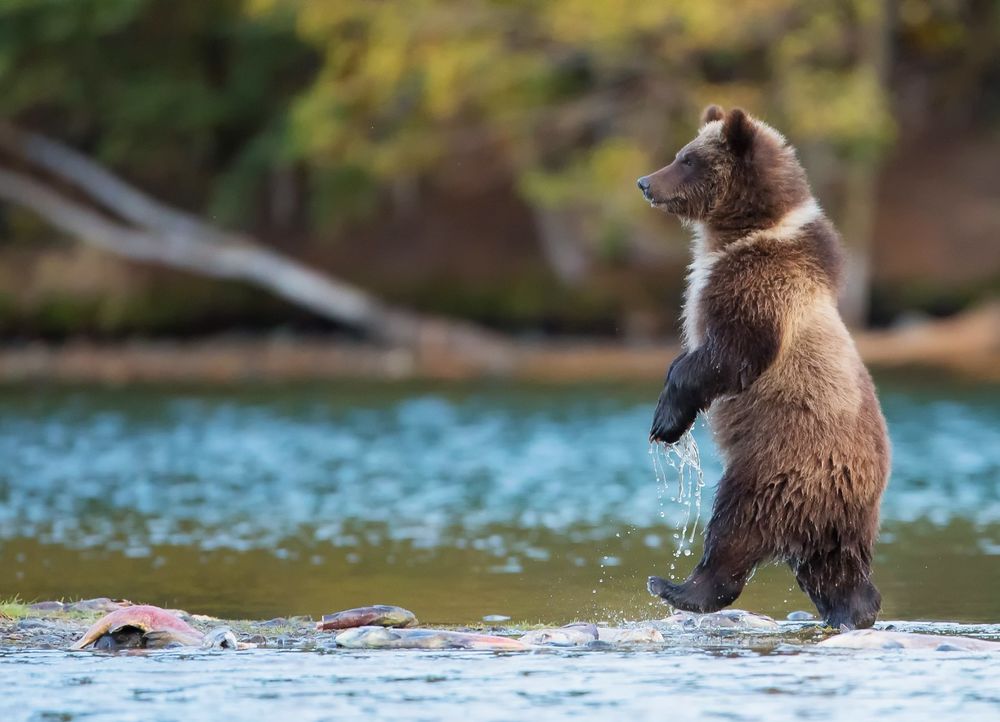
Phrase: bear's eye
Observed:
(687, 161)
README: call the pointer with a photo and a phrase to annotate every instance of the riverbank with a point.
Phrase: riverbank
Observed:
(967, 345)
(56, 625)
(721, 677)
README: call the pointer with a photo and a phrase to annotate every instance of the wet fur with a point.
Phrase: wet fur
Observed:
(792, 407)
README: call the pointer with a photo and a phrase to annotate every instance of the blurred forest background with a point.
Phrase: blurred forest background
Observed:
(180, 168)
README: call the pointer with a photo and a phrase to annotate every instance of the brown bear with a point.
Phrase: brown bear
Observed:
(766, 353)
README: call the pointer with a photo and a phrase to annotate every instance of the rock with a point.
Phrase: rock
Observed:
(378, 615)
(800, 616)
(384, 638)
(883, 639)
(47, 606)
(32, 624)
(99, 604)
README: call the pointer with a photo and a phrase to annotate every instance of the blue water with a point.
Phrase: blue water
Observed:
(459, 501)
(131, 469)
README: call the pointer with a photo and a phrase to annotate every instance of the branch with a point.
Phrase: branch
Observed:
(103, 186)
(175, 238)
(285, 277)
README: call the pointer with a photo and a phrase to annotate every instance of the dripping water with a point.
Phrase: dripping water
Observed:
(679, 477)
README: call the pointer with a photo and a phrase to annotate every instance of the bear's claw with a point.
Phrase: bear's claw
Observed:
(661, 588)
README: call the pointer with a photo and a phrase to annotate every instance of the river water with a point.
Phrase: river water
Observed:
(458, 501)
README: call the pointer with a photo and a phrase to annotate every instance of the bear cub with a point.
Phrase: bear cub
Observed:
(765, 352)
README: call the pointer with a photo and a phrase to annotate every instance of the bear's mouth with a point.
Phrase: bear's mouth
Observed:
(669, 205)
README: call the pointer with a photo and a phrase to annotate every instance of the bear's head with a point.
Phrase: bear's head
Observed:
(738, 174)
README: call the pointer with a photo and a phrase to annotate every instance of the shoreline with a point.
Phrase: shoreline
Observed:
(967, 345)
(56, 626)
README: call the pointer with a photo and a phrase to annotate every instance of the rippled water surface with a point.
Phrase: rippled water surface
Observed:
(683, 683)
(457, 501)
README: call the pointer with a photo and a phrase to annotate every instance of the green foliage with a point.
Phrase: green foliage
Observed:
(577, 97)
(187, 96)
(532, 301)
(200, 100)
(14, 608)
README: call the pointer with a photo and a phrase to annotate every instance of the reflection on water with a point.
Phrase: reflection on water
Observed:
(456, 501)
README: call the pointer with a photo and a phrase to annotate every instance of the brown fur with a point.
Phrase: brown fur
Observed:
(792, 407)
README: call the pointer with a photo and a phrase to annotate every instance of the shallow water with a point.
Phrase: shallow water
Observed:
(689, 681)
(456, 501)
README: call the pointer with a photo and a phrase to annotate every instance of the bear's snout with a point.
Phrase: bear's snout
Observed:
(643, 184)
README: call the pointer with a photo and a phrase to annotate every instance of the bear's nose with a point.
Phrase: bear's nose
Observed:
(643, 184)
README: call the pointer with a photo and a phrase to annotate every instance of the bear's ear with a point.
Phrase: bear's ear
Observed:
(712, 112)
(738, 131)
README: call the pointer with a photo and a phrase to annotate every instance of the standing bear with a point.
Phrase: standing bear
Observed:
(791, 405)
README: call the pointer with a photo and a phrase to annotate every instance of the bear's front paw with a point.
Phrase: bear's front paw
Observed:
(669, 423)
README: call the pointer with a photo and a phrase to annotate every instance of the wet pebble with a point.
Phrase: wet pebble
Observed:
(800, 616)
(99, 604)
(285, 642)
(32, 624)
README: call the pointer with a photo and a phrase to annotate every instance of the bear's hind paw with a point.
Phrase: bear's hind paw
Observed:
(662, 588)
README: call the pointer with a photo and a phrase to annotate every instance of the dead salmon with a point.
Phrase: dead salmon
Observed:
(885, 639)
(384, 638)
(377, 615)
(139, 626)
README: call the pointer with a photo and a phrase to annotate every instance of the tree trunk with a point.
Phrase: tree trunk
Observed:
(858, 218)
(562, 247)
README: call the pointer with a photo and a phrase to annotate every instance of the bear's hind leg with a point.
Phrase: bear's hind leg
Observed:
(841, 590)
(730, 557)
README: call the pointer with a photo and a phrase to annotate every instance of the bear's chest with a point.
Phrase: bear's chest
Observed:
(699, 273)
